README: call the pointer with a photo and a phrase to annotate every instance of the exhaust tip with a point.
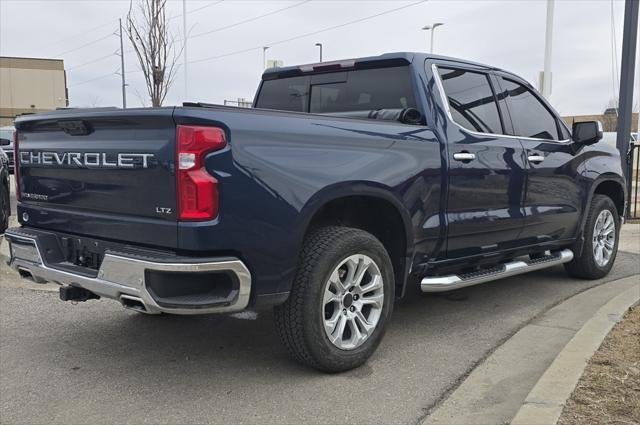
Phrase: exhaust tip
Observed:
(133, 303)
(25, 274)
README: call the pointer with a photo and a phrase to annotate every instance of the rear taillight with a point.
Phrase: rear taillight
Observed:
(197, 189)
(16, 164)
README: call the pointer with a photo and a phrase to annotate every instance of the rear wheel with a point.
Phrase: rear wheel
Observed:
(601, 233)
(340, 301)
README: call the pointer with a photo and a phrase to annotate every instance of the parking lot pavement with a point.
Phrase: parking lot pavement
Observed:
(95, 362)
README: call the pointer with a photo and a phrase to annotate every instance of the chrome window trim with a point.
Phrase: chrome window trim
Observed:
(445, 102)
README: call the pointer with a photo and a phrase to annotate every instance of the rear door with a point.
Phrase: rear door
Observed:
(486, 168)
(554, 192)
(107, 174)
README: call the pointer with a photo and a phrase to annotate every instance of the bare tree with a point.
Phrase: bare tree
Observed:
(155, 47)
(93, 101)
(143, 100)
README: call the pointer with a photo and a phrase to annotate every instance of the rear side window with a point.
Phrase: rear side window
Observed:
(471, 100)
(365, 90)
(286, 94)
(360, 90)
(530, 117)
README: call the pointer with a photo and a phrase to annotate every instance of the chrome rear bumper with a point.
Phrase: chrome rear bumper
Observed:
(121, 277)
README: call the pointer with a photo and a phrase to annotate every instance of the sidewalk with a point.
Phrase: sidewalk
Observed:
(495, 391)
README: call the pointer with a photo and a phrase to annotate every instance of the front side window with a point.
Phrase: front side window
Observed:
(471, 100)
(530, 117)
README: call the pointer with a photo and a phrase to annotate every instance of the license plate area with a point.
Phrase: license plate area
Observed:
(81, 252)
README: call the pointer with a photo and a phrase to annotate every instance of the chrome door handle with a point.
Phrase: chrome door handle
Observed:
(536, 159)
(464, 156)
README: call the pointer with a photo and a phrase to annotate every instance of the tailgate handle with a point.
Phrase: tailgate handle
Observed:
(75, 127)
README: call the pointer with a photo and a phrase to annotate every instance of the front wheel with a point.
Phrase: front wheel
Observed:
(601, 233)
(341, 299)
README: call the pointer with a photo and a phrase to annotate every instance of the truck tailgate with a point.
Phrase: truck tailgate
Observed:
(107, 173)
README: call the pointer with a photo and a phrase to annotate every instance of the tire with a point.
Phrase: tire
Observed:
(5, 207)
(589, 265)
(304, 321)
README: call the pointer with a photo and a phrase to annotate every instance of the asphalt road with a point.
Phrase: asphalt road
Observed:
(95, 362)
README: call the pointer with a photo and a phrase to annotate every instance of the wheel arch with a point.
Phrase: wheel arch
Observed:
(613, 189)
(348, 204)
(611, 185)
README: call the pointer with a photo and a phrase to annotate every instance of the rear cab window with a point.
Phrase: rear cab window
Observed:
(346, 91)
(285, 94)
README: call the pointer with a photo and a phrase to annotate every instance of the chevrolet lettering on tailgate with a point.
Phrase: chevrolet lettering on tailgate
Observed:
(87, 159)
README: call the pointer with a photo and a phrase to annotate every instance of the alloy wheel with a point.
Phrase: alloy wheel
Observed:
(352, 302)
(604, 238)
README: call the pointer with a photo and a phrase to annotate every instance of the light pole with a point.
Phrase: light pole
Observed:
(124, 83)
(548, 42)
(625, 102)
(432, 27)
(320, 46)
(184, 49)
(264, 56)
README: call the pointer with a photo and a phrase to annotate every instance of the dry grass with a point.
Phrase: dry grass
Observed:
(609, 390)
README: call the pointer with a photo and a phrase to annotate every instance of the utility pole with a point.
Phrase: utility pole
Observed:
(124, 84)
(548, 42)
(184, 49)
(625, 104)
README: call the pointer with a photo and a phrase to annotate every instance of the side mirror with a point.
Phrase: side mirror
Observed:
(587, 132)
(5, 142)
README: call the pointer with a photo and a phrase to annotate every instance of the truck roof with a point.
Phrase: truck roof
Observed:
(386, 59)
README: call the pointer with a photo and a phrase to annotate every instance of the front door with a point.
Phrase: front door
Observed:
(554, 194)
(486, 167)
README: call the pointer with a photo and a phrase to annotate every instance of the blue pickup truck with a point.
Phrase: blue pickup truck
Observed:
(345, 183)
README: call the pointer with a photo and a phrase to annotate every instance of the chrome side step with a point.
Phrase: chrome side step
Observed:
(450, 282)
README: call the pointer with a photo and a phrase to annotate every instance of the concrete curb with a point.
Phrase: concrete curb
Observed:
(546, 400)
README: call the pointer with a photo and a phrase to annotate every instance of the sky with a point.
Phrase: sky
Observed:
(226, 62)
